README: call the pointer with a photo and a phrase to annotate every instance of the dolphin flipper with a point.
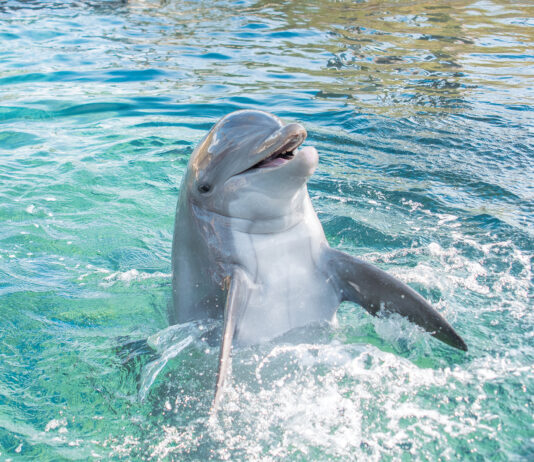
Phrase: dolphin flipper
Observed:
(236, 300)
(376, 290)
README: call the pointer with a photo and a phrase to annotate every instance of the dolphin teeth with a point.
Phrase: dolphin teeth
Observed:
(284, 155)
(285, 152)
(287, 155)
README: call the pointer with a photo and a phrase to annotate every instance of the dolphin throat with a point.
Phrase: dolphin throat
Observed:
(246, 231)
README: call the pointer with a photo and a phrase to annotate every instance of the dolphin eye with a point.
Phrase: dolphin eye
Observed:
(204, 188)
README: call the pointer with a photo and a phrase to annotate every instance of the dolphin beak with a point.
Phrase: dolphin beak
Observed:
(280, 149)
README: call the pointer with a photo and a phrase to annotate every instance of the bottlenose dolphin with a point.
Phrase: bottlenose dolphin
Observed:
(248, 245)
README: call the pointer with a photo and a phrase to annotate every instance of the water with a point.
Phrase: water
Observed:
(422, 114)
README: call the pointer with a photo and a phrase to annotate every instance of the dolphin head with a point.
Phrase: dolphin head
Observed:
(251, 166)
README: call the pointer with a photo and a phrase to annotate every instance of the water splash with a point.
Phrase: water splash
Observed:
(170, 342)
(422, 118)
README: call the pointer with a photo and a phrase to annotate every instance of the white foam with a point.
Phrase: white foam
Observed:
(132, 275)
(55, 423)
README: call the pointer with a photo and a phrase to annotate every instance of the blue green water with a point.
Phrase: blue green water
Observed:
(423, 116)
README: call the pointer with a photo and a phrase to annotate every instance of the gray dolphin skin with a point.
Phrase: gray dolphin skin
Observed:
(249, 247)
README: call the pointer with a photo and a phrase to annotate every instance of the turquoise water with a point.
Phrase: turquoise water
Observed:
(423, 116)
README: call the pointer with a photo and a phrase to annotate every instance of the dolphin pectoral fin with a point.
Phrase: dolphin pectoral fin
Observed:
(236, 300)
(374, 290)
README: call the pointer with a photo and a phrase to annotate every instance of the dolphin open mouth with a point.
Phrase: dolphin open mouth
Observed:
(279, 157)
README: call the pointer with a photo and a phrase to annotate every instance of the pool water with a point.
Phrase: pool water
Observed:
(423, 116)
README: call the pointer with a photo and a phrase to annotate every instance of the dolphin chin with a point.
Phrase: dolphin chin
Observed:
(249, 247)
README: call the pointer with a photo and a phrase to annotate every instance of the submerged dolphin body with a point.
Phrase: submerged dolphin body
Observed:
(248, 244)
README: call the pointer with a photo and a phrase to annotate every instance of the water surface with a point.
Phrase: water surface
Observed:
(422, 113)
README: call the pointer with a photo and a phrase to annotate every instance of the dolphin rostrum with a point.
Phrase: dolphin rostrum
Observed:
(248, 245)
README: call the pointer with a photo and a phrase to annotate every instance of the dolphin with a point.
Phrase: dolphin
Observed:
(248, 244)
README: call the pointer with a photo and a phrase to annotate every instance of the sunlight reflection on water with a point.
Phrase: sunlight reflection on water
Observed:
(422, 116)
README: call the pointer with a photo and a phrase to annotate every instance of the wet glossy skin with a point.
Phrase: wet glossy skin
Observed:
(248, 245)
(258, 219)
(245, 223)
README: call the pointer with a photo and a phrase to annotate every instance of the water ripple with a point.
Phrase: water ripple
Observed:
(422, 116)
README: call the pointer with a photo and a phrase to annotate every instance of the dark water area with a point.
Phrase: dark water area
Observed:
(423, 117)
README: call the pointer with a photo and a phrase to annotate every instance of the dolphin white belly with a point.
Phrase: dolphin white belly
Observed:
(246, 231)
(289, 288)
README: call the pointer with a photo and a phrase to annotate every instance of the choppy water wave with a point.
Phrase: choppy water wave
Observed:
(422, 116)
